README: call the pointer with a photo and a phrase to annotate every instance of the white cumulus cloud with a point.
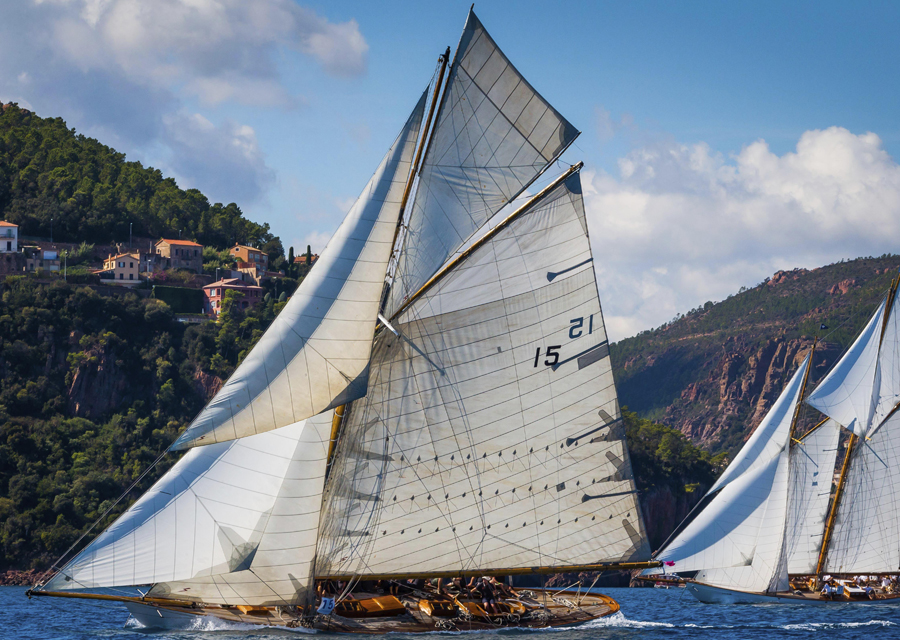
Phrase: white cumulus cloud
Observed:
(682, 224)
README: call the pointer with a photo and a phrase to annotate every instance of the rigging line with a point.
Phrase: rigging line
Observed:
(469, 433)
(102, 516)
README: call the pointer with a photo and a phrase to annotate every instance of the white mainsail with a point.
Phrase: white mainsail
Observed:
(812, 466)
(866, 537)
(315, 354)
(846, 393)
(233, 522)
(494, 134)
(737, 540)
(490, 436)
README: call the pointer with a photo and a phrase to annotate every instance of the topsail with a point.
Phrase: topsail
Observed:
(493, 136)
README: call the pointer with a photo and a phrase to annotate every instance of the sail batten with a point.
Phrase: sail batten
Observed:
(315, 354)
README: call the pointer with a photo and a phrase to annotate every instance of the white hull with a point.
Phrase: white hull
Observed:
(157, 618)
(718, 595)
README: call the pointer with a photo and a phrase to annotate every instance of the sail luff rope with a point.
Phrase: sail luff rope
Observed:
(525, 208)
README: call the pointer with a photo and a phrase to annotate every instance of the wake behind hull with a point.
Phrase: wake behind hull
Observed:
(552, 609)
(709, 594)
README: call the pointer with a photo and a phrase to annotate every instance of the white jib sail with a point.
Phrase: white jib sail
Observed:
(233, 522)
(490, 437)
(886, 388)
(866, 537)
(736, 541)
(315, 355)
(812, 469)
(494, 134)
(845, 394)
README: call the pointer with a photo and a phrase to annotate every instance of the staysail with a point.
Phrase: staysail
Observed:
(494, 134)
(232, 522)
(737, 540)
(845, 394)
(812, 466)
(490, 437)
(315, 354)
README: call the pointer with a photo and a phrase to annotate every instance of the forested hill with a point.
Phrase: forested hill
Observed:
(714, 372)
(92, 193)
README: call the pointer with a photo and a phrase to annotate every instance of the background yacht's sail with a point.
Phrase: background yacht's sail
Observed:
(315, 355)
(845, 394)
(233, 522)
(886, 388)
(812, 468)
(737, 540)
(866, 537)
(493, 136)
(490, 436)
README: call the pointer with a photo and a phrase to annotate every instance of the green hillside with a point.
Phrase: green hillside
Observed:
(92, 193)
(92, 389)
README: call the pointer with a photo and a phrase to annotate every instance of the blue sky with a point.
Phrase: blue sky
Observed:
(722, 141)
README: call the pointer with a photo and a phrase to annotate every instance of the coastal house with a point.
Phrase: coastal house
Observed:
(9, 237)
(179, 254)
(37, 258)
(121, 268)
(301, 259)
(251, 255)
(214, 294)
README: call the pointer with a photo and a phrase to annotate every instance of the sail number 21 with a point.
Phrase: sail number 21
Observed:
(576, 330)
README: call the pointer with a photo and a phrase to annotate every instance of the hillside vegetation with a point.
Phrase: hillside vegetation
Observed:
(714, 372)
(92, 389)
(92, 193)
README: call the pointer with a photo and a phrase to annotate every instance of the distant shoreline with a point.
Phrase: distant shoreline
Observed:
(17, 578)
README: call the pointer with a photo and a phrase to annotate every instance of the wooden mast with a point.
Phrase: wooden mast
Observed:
(829, 525)
(414, 169)
(340, 411)
(796, 416)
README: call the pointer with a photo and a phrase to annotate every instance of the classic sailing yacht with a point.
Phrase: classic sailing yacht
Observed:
(478, 432)
(767, 521)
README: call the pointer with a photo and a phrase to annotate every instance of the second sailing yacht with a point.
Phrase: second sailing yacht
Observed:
(770, 529)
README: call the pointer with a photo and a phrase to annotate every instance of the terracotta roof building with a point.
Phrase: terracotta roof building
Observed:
(254, 256)
(214, 294)
(181, 254)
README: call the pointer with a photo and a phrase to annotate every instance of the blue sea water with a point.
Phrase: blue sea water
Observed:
(646, 614)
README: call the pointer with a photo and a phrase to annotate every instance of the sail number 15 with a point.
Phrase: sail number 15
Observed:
(576, 330)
